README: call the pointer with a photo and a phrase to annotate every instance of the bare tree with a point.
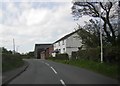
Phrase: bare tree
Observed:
(103, 10)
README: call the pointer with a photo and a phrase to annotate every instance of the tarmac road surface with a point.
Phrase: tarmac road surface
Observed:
(48, 72)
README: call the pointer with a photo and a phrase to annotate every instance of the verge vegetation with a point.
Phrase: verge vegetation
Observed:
(105, 68)
(10, 61)
(109, 70)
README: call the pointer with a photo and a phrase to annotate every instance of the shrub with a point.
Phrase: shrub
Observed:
(89, 54)
(82, 54)
(110, 54)
(93, 54)
(63, 56)
(10, 61)
(26, 57)
(74, 55)
(51, 57)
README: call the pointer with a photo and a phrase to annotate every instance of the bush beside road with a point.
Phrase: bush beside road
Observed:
(110, 70)
(90, 59)
(10, 62)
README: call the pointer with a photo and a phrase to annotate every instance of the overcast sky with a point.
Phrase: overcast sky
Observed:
(34, 22)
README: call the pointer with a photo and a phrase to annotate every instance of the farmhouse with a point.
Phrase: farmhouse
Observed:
(43, 51)
(67, 44)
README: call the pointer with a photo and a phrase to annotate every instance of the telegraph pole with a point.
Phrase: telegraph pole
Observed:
(13, 46)
(101, 44)
(101, 40)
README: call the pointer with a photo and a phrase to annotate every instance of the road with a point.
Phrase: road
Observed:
(0, 80)
(48, 72)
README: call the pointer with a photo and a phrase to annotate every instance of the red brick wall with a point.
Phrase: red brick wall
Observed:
(49, 52)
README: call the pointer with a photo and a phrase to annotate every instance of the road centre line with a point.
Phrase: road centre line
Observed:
(53, 70)
(47, 64)
(42, 61)
(63, 83)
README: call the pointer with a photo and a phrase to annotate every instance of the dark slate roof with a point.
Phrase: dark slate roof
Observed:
(66, 36)
(42, 46)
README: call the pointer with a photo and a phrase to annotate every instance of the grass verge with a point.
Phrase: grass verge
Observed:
(110, 70)
(11, 62)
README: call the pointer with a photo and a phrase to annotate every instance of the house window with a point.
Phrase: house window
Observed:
(59, 50)
(59, 43)
(63, 42)
(64, 50)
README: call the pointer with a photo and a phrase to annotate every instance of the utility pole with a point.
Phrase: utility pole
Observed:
(101, 44)
(101, 40)
(13, 46)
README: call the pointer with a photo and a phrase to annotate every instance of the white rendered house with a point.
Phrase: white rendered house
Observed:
(67, 44)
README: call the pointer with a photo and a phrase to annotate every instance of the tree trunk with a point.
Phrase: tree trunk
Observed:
(105, 29)
(113, 37)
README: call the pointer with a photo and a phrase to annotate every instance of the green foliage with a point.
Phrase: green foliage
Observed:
(31, 54)
(89, 54)
(88, 39)
(74, 55)
(51, 58)
(110, 70)
(80, 9)
(63, 56)
(28, 55)
(5, 51)
(10, 61)
(110, 54)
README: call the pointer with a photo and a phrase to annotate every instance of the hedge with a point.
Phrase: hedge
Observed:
(10, 61)
(63, 56)
(89, 54)
(110, 54)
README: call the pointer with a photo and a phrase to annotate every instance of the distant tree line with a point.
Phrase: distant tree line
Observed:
(6, 52)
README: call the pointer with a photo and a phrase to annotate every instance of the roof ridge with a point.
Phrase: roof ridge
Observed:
(66, 36)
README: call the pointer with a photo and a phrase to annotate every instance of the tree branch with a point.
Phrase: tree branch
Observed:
(97, 13)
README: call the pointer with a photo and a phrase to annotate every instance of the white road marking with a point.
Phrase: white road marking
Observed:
(53, 70)
(63, 83)
(42, 61)
(47, 64)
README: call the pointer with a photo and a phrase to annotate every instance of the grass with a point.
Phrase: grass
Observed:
(11, 62)
(110, 70)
